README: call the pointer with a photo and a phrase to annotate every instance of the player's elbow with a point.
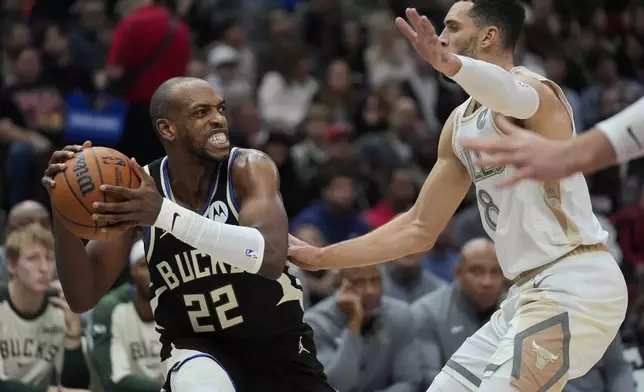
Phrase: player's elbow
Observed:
(422, 236)
(272, 268)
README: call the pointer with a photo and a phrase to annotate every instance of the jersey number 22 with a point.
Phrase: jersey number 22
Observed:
(220, 304)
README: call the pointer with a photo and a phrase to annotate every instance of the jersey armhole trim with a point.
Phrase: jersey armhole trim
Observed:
(230, 190)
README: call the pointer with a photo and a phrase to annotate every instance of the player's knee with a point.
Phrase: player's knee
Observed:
(201, 374)
(446, 383)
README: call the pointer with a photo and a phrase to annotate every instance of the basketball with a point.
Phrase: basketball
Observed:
(78, 187)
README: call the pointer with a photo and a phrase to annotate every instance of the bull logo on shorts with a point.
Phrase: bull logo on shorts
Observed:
(544, 357)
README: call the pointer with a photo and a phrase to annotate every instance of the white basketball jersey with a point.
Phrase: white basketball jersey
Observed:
(532, 223)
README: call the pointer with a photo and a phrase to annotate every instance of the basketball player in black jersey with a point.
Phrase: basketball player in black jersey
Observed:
(228, 311)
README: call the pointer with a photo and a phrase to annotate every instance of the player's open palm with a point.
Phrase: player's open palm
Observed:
(423, 37)
(140, 207)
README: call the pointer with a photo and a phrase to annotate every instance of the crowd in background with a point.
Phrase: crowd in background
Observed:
(331, 91)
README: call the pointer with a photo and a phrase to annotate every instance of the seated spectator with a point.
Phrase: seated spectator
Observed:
(611, 374)
(295, 195)
(445, 318)
(21, 215)
(338, 93)
(126, 348)
(399, 196)
(58, 65)
(319, 284)
(363, 338)
(383, 151)
(284, 97)
(442, 259)
(405, 279)
(629, 224)
(40, 337)
(224, 62)
(335, 216)
(310, 155)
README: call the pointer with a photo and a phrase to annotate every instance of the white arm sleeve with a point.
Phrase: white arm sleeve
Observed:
(625, 131)
(494, 88)
(239, 246)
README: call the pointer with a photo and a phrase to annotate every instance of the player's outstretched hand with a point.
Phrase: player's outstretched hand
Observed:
(422, 35)
(302, 254)
(139, 208)
(57, 163)
(534, 157)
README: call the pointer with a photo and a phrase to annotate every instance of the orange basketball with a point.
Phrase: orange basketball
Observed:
(78, 187)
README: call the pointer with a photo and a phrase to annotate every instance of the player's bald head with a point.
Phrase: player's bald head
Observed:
(170, 94)
(477, 248)
(25, 213)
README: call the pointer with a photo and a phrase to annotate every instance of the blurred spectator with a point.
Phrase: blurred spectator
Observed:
(16, 37)
(399, 195)
(58, 65)
(280, 40)
(388, 58)
(611, 374)
(284, 97)
(321, 283)
(442, 259)
(21, 215)
(605, 70)
(466, 225)
(40, 335)
(629, 223)
(352, 50)
(37, 97)
(294, 194)
(383, 151)
(338, 94)
(87, 50)
(321, 24)
(335, 215)
(233, 35)
(556, 70)
(224, 62)
(445, 318)
(311, 155)
(362, 337)
(146, 31)
(125, 349)
(406, 280)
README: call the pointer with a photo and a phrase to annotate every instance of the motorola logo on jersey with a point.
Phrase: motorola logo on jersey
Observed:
(218, 211)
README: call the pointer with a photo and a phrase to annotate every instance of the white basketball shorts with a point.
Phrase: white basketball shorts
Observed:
(554, 327)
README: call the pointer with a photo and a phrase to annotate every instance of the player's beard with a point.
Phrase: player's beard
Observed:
(199, 151)
(470, 50)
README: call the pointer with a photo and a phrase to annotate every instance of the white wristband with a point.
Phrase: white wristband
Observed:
(625, 131)
(239, 246)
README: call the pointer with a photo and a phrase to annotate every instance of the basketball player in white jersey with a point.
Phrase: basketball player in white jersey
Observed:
(569, 296)
(615, 140)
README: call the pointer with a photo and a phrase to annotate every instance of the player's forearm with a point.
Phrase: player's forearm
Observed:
(402, 236)
(239, 246)
(75, 269)
(625, 132)
(588, 153)
(494, 88)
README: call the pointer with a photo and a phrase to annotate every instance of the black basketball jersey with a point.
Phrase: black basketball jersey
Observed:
(198, 295)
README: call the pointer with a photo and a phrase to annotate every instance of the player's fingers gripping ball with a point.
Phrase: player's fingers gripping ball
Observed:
(78, 187)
